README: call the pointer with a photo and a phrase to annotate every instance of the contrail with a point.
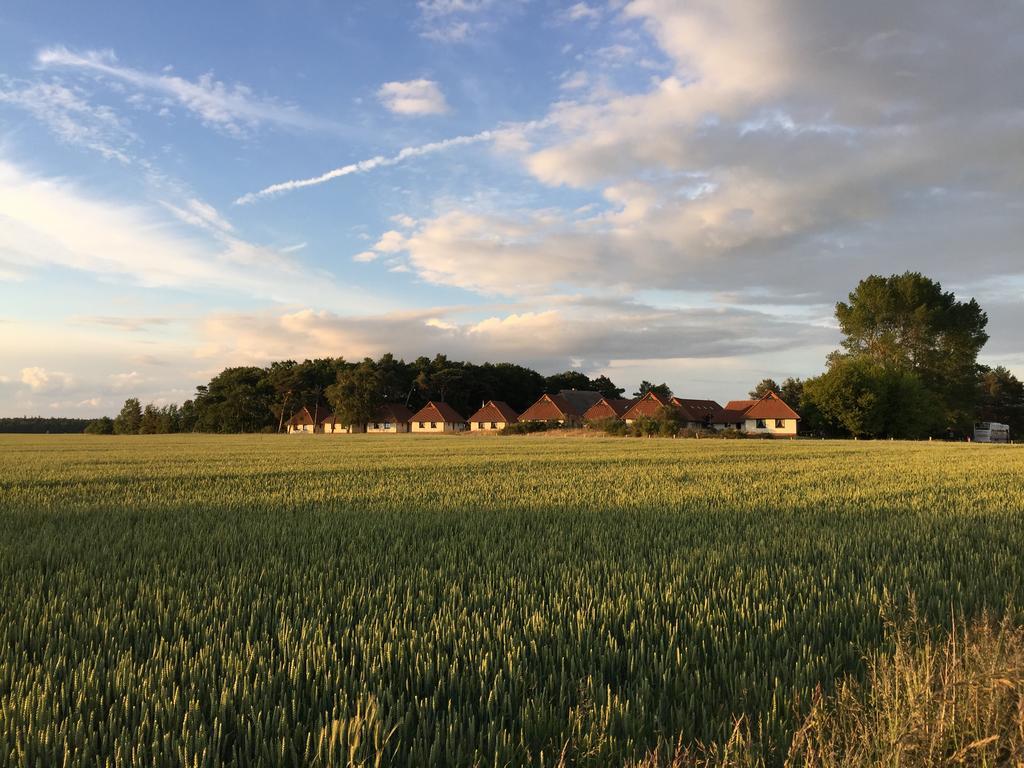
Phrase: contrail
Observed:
(363, 166)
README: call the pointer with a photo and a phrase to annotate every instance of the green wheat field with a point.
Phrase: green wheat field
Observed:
(406, 600)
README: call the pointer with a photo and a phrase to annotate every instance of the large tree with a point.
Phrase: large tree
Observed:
(606, 387)
(1001, 399)
(864, 398)
(357, 394)
(129, 419)
(661, 390)
(763, 388)
(907, 322)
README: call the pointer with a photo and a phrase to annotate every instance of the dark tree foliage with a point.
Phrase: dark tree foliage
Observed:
(1001, 399)
(606, 387)
(566, 380)
(41, 425)
(129, 419)
(661, 390)
(357, 393)
(101, 426)
(763, 388)
(236, 400)
(908, 323)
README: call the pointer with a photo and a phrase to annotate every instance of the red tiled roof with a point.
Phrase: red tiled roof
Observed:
(301, 416)
(771, 406)
(699, 410)
(497, 411)
(438, 412)
(328, 419)
(392, 413)
(648, 405)
(549, 408)
(607, 408)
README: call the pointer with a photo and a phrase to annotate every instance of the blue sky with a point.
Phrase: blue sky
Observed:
(648, 189)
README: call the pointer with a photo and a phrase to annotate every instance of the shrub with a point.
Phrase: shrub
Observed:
(526, 427)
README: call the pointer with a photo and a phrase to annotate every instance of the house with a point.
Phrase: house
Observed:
(649, 406)
(567, 407)
(437, 418)
(607, 408)
(302, 421)
(700, 414)
(390, 418)
(767, 416)
(329, 425)
(493, 415)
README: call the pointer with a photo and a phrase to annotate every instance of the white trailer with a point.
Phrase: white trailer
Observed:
(991, 432)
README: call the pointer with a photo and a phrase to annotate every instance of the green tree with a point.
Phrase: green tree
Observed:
(863, 398)
(566, 380)
(101, 426)
(792, 392)
(606, 387)
(763, 388)
(907, 322)
(1001, 399)
(129, 419)
(357, 394)
(149, 424)
(661, 390)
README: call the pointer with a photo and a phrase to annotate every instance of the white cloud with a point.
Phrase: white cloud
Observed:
(365, 256)
(54, 222)
(122, 381)
(413, 97)
(234, 109)
(582, 11)
(70, 117)
(41, 380)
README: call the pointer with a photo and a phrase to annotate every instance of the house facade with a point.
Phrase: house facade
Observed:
(390, 418)
(648, 406)
(767, 416)
(302, 422)
(437, 419)
(567, 407)
(492, 416)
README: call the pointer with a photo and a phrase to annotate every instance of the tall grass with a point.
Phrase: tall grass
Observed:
(265, 600)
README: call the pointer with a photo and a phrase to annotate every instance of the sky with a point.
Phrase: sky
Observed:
(672, 190)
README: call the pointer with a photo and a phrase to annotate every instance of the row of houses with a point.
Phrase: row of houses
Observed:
(767, 415)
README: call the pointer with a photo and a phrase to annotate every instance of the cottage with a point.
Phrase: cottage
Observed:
(567, 407)
(493, 415)
(329, 425)
(302, 421)
(700, 414)
(607, 408)
(437, 418)
(390, 418)
(766, 416)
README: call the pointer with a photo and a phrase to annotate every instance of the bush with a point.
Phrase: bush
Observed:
(610, 426)
(526, 427)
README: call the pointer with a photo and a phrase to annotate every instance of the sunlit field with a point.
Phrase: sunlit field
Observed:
(408, 600)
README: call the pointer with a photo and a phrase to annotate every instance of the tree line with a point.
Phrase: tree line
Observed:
(907, 368)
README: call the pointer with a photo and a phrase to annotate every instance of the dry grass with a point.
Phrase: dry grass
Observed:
(954, 702)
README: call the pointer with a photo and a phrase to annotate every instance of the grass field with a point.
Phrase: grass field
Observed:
(268, 600)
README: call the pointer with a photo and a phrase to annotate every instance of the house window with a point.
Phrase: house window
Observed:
(433, 425)
(494, 425)
(422, 425)
(780, 424)
(480, 425)
(761, 424)
(376, 425)
(387, 425)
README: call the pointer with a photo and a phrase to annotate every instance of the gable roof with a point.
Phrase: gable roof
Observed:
(300, 417)
(392, 412)
(579, 399)
(438, 412)
(496, 411)
(330, 418)
(771, 406)
(549, 408)
(699, 410)
(607, 408)
(648, 405)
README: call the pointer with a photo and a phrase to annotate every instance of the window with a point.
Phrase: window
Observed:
(780, 424)
(422, 425)
(387, 425)
(433, 425)
(761, 424)
(376, 426)
(494, 425)
(480, 425)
